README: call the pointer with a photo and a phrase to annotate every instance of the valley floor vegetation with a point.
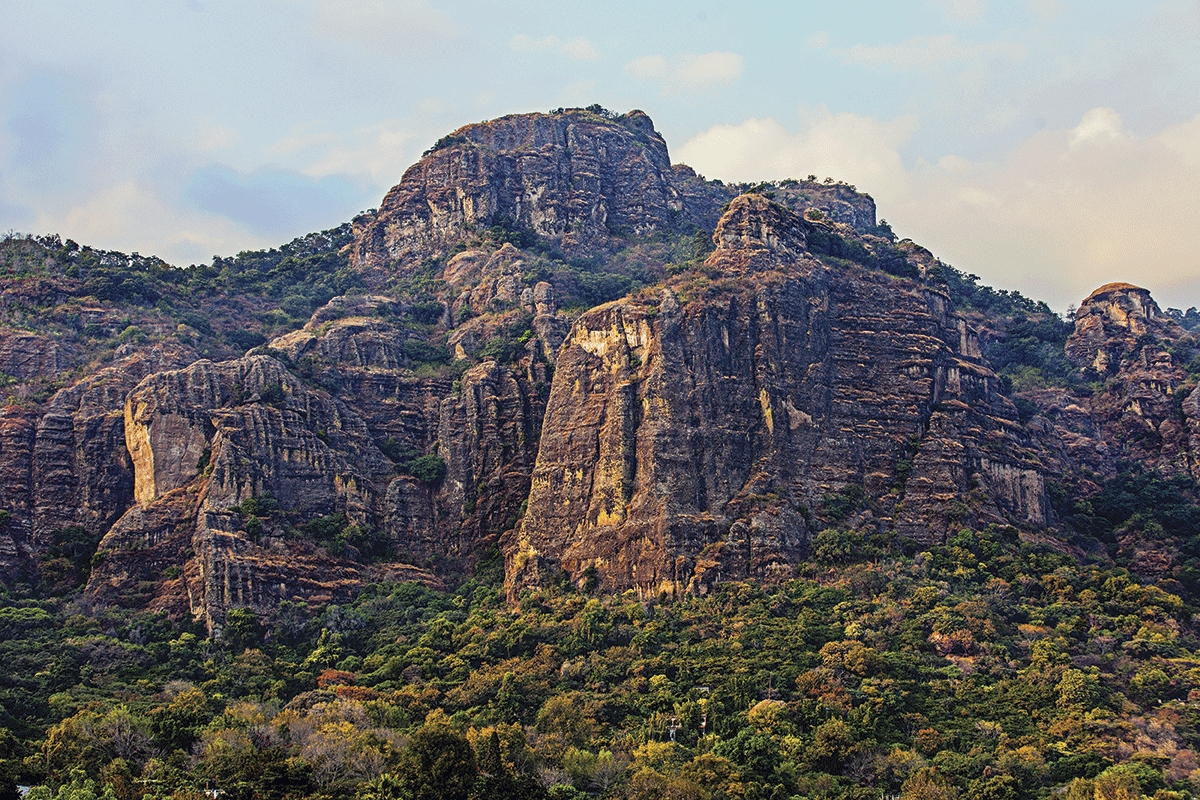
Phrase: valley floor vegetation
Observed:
(991, 668)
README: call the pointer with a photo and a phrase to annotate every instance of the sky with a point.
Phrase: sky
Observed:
(1048, 146)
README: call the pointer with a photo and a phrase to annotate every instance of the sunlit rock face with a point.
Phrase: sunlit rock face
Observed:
(777, 365)
(692, 433)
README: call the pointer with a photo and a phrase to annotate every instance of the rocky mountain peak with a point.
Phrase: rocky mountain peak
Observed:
(752, 224)
(531, 359)
(575, 177)
(1110, 322)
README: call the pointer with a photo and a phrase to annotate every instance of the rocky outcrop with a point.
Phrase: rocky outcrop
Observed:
(1110, 322)
(201, 440)
(65, 466)
(812, 373)
(25, 355)
(574, 177)
(838, 202)
(1123, 338)
(697, 435)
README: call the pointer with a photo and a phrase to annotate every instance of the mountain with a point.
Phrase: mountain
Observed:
(567, 473)
(553, 353)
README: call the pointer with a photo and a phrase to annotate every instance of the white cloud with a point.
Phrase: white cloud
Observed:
(376, 152)
(1184, 140)
(403, 28)
(1098, 126)
(688, 71)
(132, 217)
(926, 51)
(845, 146)
(581, 49)
(1057, 215)
(578, 48)
(968, 10)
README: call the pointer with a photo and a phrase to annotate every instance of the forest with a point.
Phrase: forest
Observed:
(991, 668)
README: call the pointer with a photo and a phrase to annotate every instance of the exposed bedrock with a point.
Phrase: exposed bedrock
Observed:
(693, 434)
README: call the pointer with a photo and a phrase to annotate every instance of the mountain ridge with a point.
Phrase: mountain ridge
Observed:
(422, 403)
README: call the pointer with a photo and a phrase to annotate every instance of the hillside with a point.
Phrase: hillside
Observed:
(554, 439)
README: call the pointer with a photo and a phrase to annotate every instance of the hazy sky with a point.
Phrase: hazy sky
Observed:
(1048, 146)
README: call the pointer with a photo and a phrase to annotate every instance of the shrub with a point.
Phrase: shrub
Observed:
(428, 469)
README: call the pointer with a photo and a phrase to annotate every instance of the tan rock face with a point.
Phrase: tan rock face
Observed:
(205, 438)
(1110, 321)
(689, 440)
(65, 464)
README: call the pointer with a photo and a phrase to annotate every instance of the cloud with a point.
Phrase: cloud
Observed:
(274, 202)
(1098, 126)
(403, 29)
(578, 48)
(967, 10)
(924, 51)
(846, 146)
(688, 71)
(1059, 214)
(377, 154)
(133, 217)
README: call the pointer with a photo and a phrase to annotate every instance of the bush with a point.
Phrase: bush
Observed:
(428, 469)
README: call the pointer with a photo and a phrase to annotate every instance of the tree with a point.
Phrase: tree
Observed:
(927, 784)
(438, 764)
(80, 787)
(1077, 691)
(385, 787)
(1117, 785)
(496, 782)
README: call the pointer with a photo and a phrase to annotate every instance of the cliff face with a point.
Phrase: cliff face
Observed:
(775, 365)
(690, 439)
(65, 466)
(204, 440)
(1122, 337)
(574, 177)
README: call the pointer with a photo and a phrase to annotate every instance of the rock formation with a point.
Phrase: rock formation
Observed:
(691, 436)
(577, 177)
(778, 365)
(1122, 338)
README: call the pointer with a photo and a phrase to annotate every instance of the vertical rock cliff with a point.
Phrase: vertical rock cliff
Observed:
(693, 433)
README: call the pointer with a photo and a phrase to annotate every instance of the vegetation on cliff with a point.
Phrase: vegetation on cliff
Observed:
(990, 667)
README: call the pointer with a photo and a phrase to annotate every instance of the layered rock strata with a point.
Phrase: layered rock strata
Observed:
(692, 435)
(703, 428)
(575, 177)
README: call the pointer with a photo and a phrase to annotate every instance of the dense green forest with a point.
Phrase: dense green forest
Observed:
(991, 668)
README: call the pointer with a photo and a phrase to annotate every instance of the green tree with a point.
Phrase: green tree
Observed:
(79, 787)
(1077, 691)
(438, 764)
